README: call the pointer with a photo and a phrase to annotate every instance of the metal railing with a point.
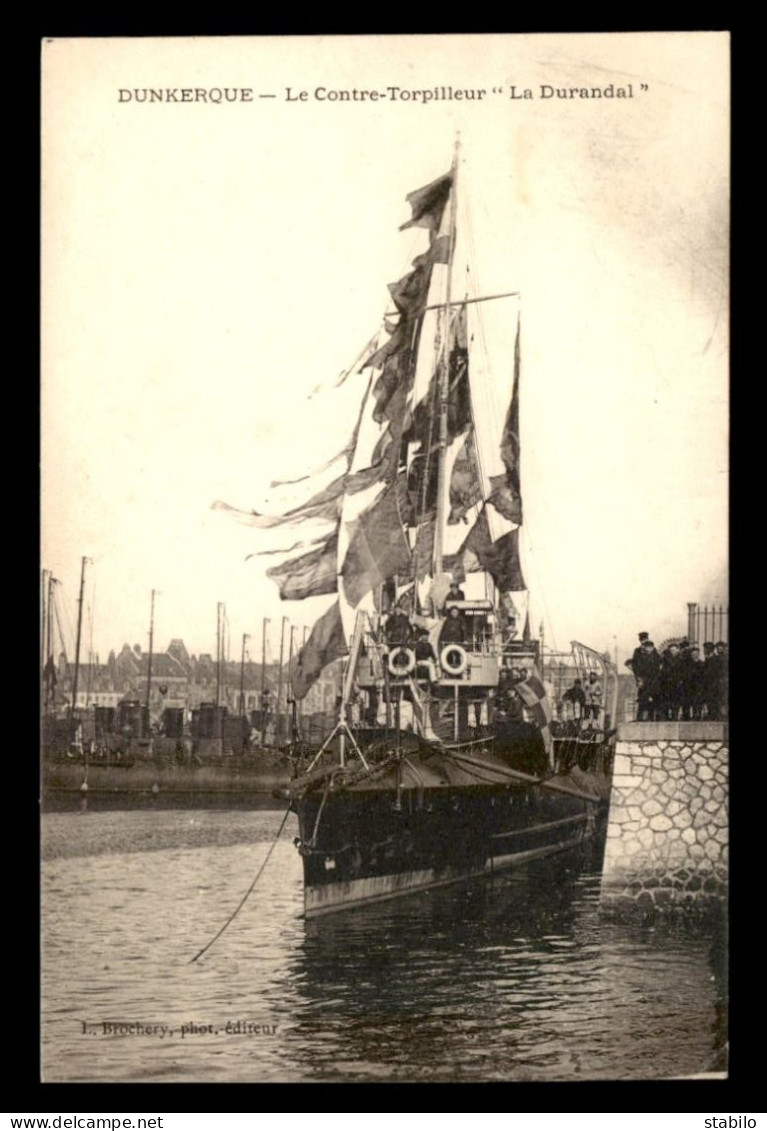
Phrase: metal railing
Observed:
(707, 623)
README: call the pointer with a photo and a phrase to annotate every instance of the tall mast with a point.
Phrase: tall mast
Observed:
(79, 635)
(44, 586)
(263, 681)
(300, 701)
(278, 722)
(242, 675)
(444, 380)
(293, 629)
(151, 648)
(48, 661)
(49, 624)
(219, 608)
(292, 713)
(50, 669)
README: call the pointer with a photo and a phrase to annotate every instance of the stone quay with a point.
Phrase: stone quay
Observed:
(667, 836)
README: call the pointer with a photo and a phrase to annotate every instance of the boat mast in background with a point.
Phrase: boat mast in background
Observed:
(245, 637)
(263, 681)
(219, 648)
(79, 636)
(278, 720)
(149, 662)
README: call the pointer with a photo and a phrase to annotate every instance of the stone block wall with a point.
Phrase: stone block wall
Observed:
(667, 836)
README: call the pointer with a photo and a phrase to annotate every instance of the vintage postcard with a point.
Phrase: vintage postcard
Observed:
(384, 626)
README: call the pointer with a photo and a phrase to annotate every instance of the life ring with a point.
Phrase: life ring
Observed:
(401, 661)
(453, 659)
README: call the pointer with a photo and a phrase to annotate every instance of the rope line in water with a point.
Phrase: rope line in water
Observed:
(241, 904)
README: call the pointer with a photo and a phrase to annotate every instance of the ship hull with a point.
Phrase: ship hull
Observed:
(229, 777)
(364, 847)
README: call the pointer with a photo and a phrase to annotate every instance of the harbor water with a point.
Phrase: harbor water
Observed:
(520, 978)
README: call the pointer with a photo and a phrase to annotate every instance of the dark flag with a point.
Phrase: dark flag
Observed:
(309, 575)
(378, 547)
(500, 559)
(533, 694)
(325, 644)
(506, 492)
(428, 204)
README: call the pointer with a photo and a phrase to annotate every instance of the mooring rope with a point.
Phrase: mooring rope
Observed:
(242, 902)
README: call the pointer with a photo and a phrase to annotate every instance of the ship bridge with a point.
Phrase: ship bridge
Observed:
(461, 647)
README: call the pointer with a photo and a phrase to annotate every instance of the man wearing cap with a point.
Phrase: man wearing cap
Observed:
(454, 630)
(425, 657)
(646, 668)
(636, 654)
(638, 650)
(454, 593)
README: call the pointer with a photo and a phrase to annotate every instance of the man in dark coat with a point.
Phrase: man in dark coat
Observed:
(646, 667)
(425, 659)
(637, 651)
(671, 681)
(692, 683)
(454, 629)
(576, 698)
(724, 681)
(454, 593)
(397, 627)
(713, 673)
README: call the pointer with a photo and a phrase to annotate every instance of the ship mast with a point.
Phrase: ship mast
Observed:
(149, 661)
(47, 661)
(219, 648)
(79, 635)
(278, 719)
(242, 675)
(263, 681)
(444, 376)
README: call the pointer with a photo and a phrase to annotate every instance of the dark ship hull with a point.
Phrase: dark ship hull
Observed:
(224, 777)
(432, 817)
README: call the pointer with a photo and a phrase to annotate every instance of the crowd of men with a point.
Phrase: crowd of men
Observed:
(680, 682)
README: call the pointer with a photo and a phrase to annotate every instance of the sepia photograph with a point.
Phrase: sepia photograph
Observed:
(384, 616)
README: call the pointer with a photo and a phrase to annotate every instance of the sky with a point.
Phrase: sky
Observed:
(210, 269)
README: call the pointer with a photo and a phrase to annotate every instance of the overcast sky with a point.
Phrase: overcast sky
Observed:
(205, 267)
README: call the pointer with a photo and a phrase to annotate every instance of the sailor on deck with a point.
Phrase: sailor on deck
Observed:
(454, 593)
(454, 630)
(425, 658)
(593, 692)
(397, 627)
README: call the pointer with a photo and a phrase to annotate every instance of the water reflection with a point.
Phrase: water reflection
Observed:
(511, 980)
(517, 979)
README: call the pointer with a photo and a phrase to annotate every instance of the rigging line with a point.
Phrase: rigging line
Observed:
(475, 433)
(62, 642)
(68, 624)
(525, 532)
(242, 902)
(457, 302)
(91, 617)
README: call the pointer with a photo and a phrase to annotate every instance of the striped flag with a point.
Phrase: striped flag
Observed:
(533, 694)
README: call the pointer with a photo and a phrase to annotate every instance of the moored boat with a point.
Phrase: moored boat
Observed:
(444, 762)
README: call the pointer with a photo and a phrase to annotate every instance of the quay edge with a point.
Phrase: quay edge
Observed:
(668, 827)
